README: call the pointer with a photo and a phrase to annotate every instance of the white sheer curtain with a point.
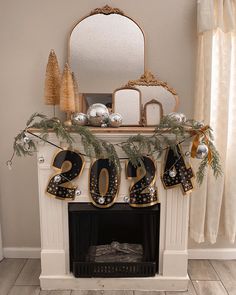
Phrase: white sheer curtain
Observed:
(214, 203)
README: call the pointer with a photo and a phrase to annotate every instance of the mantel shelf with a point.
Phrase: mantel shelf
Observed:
(111, 130)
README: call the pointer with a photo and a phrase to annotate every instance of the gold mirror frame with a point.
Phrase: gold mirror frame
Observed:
(144, 119)
(148, 79)
(106, 10)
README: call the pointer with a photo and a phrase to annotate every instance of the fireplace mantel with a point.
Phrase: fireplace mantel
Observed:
(173, 255)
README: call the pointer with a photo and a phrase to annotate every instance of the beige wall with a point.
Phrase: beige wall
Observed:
(29, 29)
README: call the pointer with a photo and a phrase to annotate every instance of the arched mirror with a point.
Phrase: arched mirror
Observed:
(106, 49)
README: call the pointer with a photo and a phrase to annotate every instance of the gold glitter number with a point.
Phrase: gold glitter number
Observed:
(143, 191)
(69, 164)
(176, 172)
(104, 183)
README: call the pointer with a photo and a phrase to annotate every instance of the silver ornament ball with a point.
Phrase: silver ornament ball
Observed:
(97, 114)
(126, 199)
(104, 125)
(57, 178)
(79, 119)
(202, 151)
(172, 173)
(77, 192)
(101, 200)
(187, 154)
(115, 120)
(177, 117)
(198, 124)
(41, 160)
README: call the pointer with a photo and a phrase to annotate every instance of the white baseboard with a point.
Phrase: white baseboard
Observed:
(24, 252)
(212, 253)
(207, 253)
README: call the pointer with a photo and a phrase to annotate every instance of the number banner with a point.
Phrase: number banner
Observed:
(104, 178)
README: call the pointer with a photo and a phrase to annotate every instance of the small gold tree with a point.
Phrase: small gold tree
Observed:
(52, 81)
(67, 94)
(77, 95)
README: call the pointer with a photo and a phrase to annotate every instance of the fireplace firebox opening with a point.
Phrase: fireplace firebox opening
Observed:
(117, 242)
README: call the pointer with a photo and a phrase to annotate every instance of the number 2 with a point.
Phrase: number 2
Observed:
(143, 192)
(70, 165)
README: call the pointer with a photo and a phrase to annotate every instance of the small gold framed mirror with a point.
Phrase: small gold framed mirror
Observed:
(152, 113)
(127, 102)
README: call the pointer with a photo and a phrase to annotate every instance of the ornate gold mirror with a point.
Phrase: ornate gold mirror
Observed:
(152, 88)
(106, 49)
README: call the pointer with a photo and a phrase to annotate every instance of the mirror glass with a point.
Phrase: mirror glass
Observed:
(127, 102)
(105, 51)
(151, 88)
(153, 113)
(166, 98)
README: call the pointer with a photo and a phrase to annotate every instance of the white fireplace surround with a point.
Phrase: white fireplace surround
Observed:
(173, 255)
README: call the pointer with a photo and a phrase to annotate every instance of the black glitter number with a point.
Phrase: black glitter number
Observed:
(176, 172)
(70, 165)
(104, 183)
(143, 192)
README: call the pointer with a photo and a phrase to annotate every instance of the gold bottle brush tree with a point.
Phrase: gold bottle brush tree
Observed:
(52, 82)
(67, 95)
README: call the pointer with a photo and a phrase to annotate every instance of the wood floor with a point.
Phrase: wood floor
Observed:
(208, 277)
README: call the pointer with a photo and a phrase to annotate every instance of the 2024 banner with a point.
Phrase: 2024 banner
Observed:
(104, 178)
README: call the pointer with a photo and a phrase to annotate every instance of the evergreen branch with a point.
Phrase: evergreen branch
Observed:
(202, 170)
(92, 145)
(215, 162)
(35, 116)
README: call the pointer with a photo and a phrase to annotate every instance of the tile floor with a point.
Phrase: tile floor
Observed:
(208, 277)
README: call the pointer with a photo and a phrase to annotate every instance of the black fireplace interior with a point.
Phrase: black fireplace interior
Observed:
(117, 242)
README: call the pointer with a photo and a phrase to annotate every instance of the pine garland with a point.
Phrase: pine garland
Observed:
(135, 147)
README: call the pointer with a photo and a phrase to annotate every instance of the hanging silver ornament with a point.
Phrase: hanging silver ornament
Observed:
(77, 192)
(187, 154)
(79, 119)
(57, 178)
(97, 114)
(172, 173)
(26, 139)
(202, 151)
(101, 200)
(41, 160)
(115, 120)
(126, 199)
